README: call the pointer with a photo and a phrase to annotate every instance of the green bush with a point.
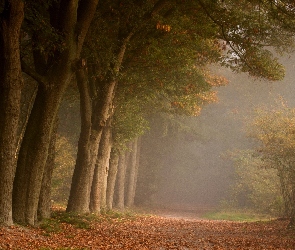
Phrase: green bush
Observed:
(255, 187)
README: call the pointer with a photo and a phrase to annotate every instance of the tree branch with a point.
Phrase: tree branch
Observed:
(86, 11)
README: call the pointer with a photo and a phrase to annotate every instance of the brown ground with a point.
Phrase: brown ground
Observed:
(154, 232)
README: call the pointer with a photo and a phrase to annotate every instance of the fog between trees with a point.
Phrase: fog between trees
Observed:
(196, 170)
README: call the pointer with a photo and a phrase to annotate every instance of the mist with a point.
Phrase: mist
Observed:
(194, 170)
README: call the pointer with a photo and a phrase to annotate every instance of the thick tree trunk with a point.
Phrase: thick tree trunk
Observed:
(113, 169)
(11, 84)
(83, 169)
(33, 155)
(28, 98)
(131, 178)
(101, 169)
(44, 206)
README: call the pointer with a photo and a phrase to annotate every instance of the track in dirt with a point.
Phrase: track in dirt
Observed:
(154, 232)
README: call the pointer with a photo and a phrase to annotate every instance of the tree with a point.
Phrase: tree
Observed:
(274, 130)
(11, 84)
(255, 186)
(132, 172)
(52, 67)
(112, 176)
(99, 182)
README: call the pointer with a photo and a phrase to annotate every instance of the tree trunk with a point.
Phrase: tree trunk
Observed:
(101, 170)
(136, 168)
(131, 178)
(79, 200)
(11, 84)
(120, 186)
(33, 155)
(113, 169)
(83, 169)
(28, 97)
(44, 205)
(292, 212)
(74, 18)
(105, 172)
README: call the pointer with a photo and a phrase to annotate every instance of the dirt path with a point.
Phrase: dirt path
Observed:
(182, 213)
(154, 232)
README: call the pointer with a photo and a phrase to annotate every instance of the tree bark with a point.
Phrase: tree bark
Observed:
(97, 197)
(80, 190)
(33, 155)
(11, 84)
(292, 212)
(113, 169)
(131, 178)
(120, 187)
(44, 206)
(136, 168)
(105, 172)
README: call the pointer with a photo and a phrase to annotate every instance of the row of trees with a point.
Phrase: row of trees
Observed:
(128, 59)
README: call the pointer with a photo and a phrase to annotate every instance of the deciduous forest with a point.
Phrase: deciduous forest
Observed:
(100, 105)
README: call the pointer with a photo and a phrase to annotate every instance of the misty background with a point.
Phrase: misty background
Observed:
(194, 170)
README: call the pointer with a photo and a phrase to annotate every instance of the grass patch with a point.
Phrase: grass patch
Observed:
(119, 215)
(79, 221)
(50, 226)
(242, 216)
(82, 221)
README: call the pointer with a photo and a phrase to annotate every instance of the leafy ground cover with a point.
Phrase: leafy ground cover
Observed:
(117, 231)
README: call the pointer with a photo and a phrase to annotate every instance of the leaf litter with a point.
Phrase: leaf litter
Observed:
(152, 232)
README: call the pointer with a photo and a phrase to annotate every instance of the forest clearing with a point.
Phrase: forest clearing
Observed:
(117, 231)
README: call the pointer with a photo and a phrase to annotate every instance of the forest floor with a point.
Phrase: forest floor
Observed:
(159, 232)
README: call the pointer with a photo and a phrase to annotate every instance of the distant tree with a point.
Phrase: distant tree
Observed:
(274, 129)
(255, 186)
